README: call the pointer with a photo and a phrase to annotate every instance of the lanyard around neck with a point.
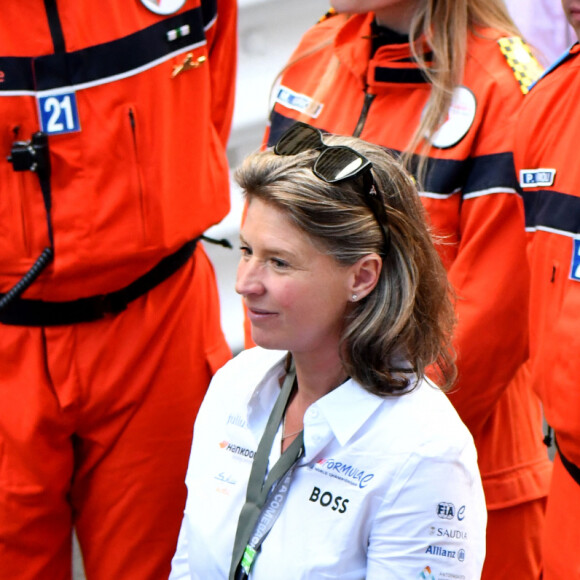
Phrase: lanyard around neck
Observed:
(259, 485)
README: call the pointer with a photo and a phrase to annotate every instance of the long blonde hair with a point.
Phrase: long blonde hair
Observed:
(445, 25)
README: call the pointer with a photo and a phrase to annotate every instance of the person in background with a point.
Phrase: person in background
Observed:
(547, 161)
(372, 473)
(114, 118)
(438, 82)
(544, 26)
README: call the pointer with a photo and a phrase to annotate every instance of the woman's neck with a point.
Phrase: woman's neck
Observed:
(317, 376)
(397, 18)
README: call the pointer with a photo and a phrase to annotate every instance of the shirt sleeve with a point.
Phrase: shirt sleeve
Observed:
(180, 562)
(432, 521)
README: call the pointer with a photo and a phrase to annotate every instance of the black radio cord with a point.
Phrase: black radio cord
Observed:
(41, 263)
(33, 155)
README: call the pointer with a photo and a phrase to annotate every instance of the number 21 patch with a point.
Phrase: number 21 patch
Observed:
(58, 113)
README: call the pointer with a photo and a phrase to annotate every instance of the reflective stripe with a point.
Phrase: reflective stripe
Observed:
(433, 195)
(490, 191)
(552, 231)
(107, 62)
(552, 211)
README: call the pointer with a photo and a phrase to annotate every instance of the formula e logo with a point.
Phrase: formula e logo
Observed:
(446, 511)
(163, 6)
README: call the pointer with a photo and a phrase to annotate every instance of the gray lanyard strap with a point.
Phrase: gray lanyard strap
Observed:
(258, 489)
(269, 514)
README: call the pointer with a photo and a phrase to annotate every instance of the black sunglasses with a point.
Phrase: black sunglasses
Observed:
(335, 163)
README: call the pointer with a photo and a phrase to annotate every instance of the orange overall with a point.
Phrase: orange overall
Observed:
(97, 410)
(471, 197)
(546, 156)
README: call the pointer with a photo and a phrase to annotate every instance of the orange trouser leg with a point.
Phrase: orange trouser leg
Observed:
(36, 463)
(561, 540)
(514, 542)
(125, 392)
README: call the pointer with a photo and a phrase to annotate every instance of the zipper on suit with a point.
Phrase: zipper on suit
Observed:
(364, 113)
(133, 124)
(55, 26)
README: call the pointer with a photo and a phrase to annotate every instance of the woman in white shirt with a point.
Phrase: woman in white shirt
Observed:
(325, 452)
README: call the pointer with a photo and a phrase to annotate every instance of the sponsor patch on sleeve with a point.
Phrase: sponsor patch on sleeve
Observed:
(298, 102)
(542, 177)
(459, 119)
(575, 270)
(521, 60)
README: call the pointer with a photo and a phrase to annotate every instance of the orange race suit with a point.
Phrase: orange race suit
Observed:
(546, 157)
(114, 118)
(470, 194)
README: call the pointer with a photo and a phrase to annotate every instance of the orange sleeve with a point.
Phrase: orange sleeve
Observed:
(222, 41)
(491, 279)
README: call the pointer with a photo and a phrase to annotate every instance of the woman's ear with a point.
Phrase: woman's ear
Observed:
(365, 275)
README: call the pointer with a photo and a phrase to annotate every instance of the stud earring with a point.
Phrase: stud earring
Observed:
(354, 297)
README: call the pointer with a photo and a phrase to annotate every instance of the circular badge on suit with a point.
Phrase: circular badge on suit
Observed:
(459, 119)
(163, 6)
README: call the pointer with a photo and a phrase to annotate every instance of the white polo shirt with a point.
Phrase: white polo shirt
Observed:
(388, 488)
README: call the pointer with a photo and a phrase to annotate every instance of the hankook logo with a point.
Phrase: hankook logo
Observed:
(237, 450)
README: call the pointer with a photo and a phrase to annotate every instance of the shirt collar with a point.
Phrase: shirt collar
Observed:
(262, 398)
(346, 409)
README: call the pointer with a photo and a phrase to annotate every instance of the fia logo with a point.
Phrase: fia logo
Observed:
(163, 6)
(446, 511)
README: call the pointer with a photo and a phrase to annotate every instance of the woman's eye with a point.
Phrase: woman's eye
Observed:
(245, 251)
(279, 263)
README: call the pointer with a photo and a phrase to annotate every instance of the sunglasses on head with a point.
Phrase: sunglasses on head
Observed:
(335, 163)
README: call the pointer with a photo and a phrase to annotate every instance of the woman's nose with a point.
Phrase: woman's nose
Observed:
(248, 277)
